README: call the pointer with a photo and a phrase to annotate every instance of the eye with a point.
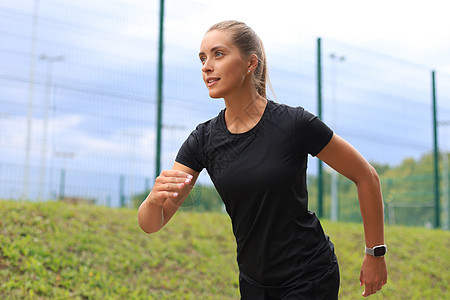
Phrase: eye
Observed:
(219, 53)
(202, 59)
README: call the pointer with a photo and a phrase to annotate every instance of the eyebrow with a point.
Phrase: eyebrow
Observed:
(213, 49)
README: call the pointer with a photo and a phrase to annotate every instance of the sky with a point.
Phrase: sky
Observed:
(417, 31)
(99, 119)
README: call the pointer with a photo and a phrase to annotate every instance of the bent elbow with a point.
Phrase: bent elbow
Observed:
(369, 176)
(145, 224)
(147, 229)
(374, 175)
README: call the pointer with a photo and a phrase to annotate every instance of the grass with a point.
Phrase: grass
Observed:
(59, 251)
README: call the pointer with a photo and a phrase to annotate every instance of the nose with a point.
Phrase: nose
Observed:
(207, 66)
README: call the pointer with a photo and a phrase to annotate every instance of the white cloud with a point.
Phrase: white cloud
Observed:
(66, 135)
(411, 30)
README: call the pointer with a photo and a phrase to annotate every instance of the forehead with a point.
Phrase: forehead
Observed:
(215, 38)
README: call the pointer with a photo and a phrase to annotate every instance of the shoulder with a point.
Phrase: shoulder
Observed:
(191, 153)
(282, 111)
(284, 108)
(209, 126)
(203, 132)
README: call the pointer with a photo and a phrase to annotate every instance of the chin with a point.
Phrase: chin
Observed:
(215, 96)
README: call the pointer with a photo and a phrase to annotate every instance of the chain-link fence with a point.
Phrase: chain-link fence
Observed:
(78, 107)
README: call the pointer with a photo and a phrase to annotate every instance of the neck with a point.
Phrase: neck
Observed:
(244, 112)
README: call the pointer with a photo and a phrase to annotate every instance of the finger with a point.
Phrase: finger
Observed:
(167, 195)
(176, 180)
(176, 173)
(172, 187)
(361, 278)
(168, 183)
(160, 189)
(163, 196)
(367, 292)
(369, 289)
(382, 283)
(373, 289)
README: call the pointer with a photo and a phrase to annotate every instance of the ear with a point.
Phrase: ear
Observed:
(252, 63)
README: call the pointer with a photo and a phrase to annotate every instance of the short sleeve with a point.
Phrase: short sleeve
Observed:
(312, 135)
(190, 152)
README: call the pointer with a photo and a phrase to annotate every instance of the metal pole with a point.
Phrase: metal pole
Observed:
(334, 175)
(26, 175)
(50, 60)
(159, 90)
(437, 223)
(319, 114)
(122, 190)
(62, 181)
(62, 184)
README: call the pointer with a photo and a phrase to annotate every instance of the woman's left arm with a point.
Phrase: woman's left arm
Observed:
(346, 160)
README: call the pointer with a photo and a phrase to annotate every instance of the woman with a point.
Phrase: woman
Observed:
(255, 152)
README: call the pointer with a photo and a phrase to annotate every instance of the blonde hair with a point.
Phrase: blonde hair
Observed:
(248, 43)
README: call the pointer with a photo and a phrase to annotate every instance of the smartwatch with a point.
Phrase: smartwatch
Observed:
(376, 251)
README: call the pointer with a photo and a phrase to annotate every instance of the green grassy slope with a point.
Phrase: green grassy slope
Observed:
(56, 250)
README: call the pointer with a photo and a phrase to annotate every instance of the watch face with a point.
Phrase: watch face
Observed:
(379, 251)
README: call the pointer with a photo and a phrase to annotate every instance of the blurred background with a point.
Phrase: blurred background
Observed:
(79, 84)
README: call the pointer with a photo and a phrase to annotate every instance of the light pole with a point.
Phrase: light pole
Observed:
(26, 173)
(334, 176)
(62, 179)
(50, 60)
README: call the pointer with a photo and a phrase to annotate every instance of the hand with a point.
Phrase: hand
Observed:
(168, 186)
(373, 274)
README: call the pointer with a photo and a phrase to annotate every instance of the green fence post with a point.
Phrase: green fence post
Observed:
(437, 223)
(159, 88)
(122, 190)
(62, 184)
(319, 114)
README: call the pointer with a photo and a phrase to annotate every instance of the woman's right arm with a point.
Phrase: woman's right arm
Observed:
(170, 190)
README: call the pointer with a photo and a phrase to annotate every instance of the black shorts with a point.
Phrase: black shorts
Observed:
(324, 287)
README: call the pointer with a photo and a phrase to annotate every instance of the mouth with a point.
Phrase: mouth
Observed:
(211, 81)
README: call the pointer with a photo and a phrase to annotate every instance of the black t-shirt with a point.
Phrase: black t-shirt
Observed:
(261, 177)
